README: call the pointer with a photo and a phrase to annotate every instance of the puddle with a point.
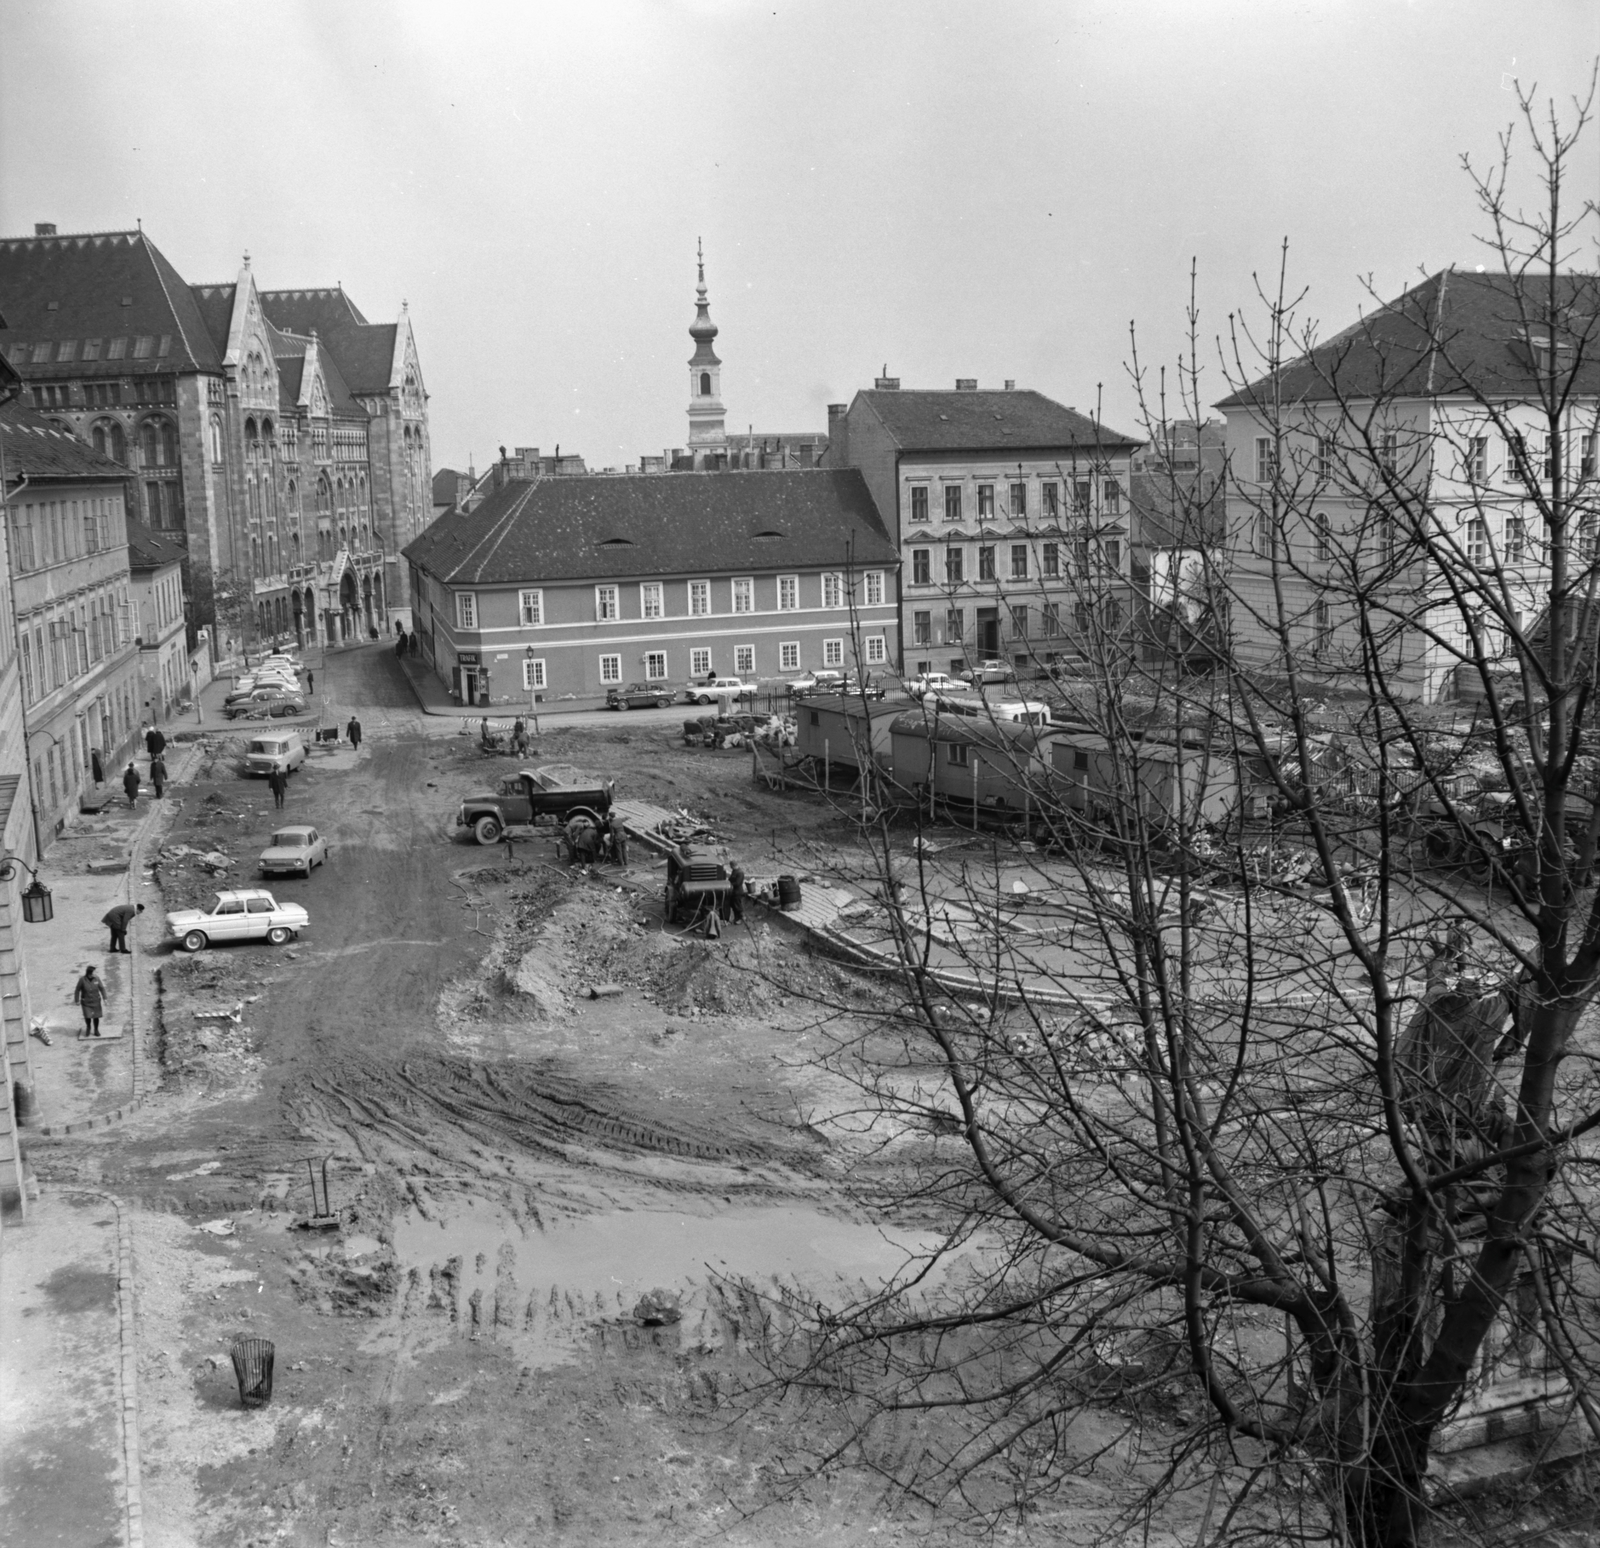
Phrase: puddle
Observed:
(545, 1288)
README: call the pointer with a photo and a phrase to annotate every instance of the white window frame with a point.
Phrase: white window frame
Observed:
(607, 604)
(1266, 459)
(744, 594)
(832, 589)
(789, 655)
(833, 653)
(877, 650)
(699, 599)
(466, 610)
(533, 674)
(744, 660)
(700, 661)
(530, 607)
(874, 591)
(611, 669)
(789, 585)
(652, 599)
(652, 660)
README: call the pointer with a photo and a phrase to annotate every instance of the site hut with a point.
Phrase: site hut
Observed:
(969, 765)
(1092, 778)
(837, 732)
(564, 588)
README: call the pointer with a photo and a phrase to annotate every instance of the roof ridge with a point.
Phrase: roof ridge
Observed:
(76, 236)
(498, 532)
(172, 306)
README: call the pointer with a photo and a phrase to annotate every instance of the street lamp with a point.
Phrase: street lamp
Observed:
(37, 905)
(527, 675)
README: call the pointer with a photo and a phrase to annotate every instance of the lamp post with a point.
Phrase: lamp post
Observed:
(37, 905)
(527, 673)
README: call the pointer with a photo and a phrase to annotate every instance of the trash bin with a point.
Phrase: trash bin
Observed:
(788, 893)
(252, 1364)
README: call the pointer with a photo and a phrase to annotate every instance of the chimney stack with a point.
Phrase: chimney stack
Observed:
(966, 384)
(44, 228)
(838, 453)
(1011, 385)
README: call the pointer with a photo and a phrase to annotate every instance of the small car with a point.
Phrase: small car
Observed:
(260, 685)
(925, 683)
(265, 704)
(811, 682)
(990, 671)
(282, 750)
(721, 687)
(246, 915)
(294, 851)
(640, 696)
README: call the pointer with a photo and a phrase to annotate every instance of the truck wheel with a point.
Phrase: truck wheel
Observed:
(195, 940)
(486, 830)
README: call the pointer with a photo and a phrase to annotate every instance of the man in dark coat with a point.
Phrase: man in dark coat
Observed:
(353, 731)
(97, 766)
(618, 835)
(278, 784)
(89, 995)
(117, 921)
(130, 784)
(158, 774)
(736, 895)
(311, 682)
(155, 741)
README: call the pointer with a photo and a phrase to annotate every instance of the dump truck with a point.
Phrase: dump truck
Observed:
(534, 799)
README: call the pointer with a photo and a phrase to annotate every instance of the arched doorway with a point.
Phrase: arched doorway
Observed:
(349, 607)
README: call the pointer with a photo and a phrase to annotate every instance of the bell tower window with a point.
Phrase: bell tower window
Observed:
(705, 384)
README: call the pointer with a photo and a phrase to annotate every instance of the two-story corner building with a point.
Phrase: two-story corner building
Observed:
(567, 587)
(1009, 512)
(155, 573)
(78, 667)
(1430, 406)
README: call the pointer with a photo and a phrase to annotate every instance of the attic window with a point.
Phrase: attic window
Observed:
(52, 306)
(769, 532)
(615, 542)
(127, 300)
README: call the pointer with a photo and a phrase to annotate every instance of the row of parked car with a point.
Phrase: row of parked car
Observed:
(825, 680)
(269, 691)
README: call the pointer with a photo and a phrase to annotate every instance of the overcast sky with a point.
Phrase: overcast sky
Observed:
(982, 189)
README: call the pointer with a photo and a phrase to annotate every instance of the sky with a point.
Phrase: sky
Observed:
(997, 189)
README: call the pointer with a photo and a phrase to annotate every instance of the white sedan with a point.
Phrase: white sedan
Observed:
(250, 915)
(294, 851)
(925, 683)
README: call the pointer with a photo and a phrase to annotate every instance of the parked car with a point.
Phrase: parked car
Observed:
(640, 696)
(992, 671)
(248, 915)
(265, 704)
(709, 692)
(924, 683)
(294, 851)
(811, 682)
(281, 750)
(257, 685)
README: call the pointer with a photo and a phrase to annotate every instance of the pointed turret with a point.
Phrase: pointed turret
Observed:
(708, 435)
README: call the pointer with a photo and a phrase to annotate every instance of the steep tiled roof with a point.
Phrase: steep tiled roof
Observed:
(1456, 332)
(38, 449)
(960, 420)
(657, 524)
(446, 486)
(62, 293)
(148, 550)
(215, 305)
(365, 351)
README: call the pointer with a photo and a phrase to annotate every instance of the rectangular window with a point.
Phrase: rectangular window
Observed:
(985, 502)
(953, 631)
(611, 669)
(1112, 551)
(655, 665)
(833, 590)
(1587, 463)
(1019, 621)
(789, 656)
(1051, 560)
(874, 588)
(922, 628)
(921, 571)
(833, 652)
(532, 674)
(1322, 632)
(1050, 500)
(956, 753)
(1516, 544)
(744, 660)
(28, 694)
(1050, 622)
(1019, 561)
(1475, 462)
(466, 610)
(1324, 456)
(1477, 541)
(605, 604)
(1389, 452)
(788, 593)
(700, 662)
(877, 650)
(1111, 493)
(1080, 616)
(986, 562)
(919, 502)
(1266, 459)
(1019, 501)
(1082, 497)
(699, 599)
(744, 595)
(953, 566)
(530, 604)
(952, 502)
(1549, 468)
(1323, 538)
(650, 602)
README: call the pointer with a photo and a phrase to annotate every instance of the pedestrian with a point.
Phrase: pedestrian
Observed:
(617, 831)
(154, 741)
(353, 731)
(311, 681)
(411, 649)
(130, 784)
(117, 921)
(400, 644)
(89, 995)
(736, 891)
(278, 785)
(158, 774)
(97, 766)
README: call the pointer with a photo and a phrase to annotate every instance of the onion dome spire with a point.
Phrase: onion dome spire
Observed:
(702, 330)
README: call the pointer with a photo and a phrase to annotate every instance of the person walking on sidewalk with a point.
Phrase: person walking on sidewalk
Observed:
(155, 741)
(117, 921)
(158, 774)
(89, 995)
(97, 766)
(277, 784)
(311, 682)
(130, 784)
(353, 731)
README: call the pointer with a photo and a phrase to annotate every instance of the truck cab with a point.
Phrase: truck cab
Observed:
(532, 799)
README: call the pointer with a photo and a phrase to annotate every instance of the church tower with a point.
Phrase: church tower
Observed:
(708, 432)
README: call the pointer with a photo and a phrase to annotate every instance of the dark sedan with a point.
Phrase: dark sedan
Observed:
(640, 696)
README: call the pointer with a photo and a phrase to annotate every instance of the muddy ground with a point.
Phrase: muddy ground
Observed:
(570, 1231)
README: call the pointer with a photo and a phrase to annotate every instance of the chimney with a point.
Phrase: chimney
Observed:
(1011, 385)
(966, 384)
(44, 228)
(885, 382)
(838, 453)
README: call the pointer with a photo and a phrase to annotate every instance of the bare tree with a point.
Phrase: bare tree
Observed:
(1251, 1088)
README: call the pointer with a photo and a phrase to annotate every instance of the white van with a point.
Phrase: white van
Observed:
(275, 750)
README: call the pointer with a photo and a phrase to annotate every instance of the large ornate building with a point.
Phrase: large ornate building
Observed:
(279, 436)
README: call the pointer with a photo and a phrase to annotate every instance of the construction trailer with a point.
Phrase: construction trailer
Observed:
(1093, 777)
(836, 732)
(972, 766)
